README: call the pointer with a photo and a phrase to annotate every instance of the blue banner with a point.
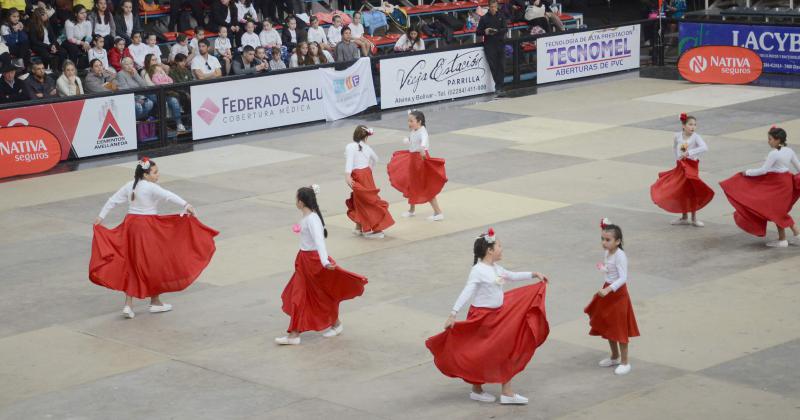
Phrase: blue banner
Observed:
(778, 46)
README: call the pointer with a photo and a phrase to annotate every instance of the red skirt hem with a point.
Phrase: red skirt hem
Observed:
(681, 190)
(149, 255)
(493, 345)
(420, 180)
(365, 207)
(612, 317)
(313, 294)
(761, 199)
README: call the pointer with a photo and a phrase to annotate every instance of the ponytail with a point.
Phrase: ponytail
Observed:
(138, 175)
(308, 197)
(480, 247)
(361, 133)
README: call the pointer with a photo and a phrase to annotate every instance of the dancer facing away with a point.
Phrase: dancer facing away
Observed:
(364, 207)
(502, 330)
(768, 193)
(681, 190)
(318, 285)
(147, 254)
(414, 172)
(610, 311)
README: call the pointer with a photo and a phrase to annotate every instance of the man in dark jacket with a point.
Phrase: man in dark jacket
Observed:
(10, 86)
(247, 63)
(492, 27)
(39, 85)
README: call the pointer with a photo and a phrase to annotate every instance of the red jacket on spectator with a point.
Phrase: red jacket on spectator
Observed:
(115, 57)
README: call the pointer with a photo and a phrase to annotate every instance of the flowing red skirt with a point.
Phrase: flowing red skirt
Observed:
(365, 206)
(313, 294)
(420, 180)
(493, 345)
(762, 199)
(148, 255)
(612, 317)
(681, 190)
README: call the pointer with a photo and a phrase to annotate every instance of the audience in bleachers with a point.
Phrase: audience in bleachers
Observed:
(98, 80)
(69, 84)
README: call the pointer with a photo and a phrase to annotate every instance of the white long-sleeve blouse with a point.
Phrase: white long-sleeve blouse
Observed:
(146, 201)
(312, 237)
(359, 159)
(778, 160)
(695, 146)
(485, 284)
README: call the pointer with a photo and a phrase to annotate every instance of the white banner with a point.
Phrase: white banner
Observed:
(584, 54)
(106, 125)
(347, 92)
(257, 103)
(433, 77)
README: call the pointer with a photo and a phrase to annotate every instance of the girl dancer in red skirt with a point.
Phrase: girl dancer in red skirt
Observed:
(364, 207)
(318, 285)
(681, 190)
(148, 254)
(414, 172)
(767, 193)
(610, 311)
(502, 330)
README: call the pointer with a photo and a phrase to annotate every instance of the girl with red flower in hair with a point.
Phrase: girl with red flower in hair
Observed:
(502, 330)
(365, 207)
(681, 190)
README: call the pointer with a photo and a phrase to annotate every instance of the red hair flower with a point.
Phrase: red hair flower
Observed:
(683, 117)
(145, 163)
(489, 237)
(604, 222)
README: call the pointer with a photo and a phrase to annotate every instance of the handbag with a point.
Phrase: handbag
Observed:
(534, 12)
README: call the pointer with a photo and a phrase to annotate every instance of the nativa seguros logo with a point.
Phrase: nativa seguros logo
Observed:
(27, 150)
(720, 64)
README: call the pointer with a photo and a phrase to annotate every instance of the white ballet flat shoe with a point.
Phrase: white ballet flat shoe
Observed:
(357, 232)
(608, 362)
(436, 217)
(482, 397)
(333, 331)
(623, 369)
(409, 214)
(155, 309)
(680, 222)
(516, 399)
(778, 244)
(697, 223)
(127, 312)
(794, 240)
(374, 235)
(287, 341)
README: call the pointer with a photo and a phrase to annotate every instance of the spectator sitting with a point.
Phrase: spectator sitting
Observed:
(317, 34)
(153, 48)
(335, 32)
(316, 55)
(276, 63)
(181, 46)
(127, 78)
(117, 53)
(291, 36)
(98, 52)
(156, 76)
(261, 54)
(43, 39)
(347, 49)
(410, 41)
(149, 61)
(248, 64)
(138, 50)
(246, 12)
(79, 33)
(69, 84)
(102, 22)
(11, 88)
(15, 37)
(179, 72)
(357, 35)
(199, 34)
(205, 66)
(269, 37)
(223, 13)
(249, 37)
(300, 55)
(126, 23)
(40, 85)
(98, 80)
(223, 50)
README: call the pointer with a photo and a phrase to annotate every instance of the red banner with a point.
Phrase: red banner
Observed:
(720, 64)
(27, 150)
(60, 119)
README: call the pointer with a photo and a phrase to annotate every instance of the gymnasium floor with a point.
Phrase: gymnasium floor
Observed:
(718, 311)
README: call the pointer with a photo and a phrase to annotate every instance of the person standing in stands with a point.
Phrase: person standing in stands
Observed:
(492, 27)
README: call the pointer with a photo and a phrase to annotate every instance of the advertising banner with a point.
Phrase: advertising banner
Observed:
(583, 54)
(718, 64)
(416, 79)
(778, 46)
(237, 106)
(27, 150)
(347, 92)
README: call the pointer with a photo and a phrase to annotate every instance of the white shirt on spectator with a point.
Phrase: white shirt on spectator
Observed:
(138, 52)
(101, 55)
(176, 49)
(222, 45)
(334, 35)
(357, 31)
(312, 237)
(102, 29)
(483, 284)
(270, 38)
(317, 35)
(243, 10)
(250, 39)
(78, 32)
(46, 36)
(128, 24)
(778, 161)
(359, 159)
(155, 50)
(404, 44)
(148, 196)
(199, 63)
